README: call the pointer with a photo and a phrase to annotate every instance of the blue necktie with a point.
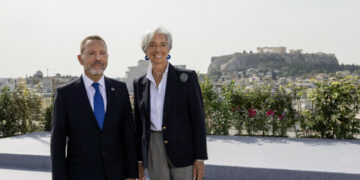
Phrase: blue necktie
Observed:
(99, 109)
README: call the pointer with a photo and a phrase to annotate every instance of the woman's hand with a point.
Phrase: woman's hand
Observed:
(198, 170)
(141, 171)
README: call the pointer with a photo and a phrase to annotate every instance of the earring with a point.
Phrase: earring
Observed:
(146, 58)
(168, 57)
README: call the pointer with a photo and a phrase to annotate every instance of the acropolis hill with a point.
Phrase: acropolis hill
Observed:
(266, 55)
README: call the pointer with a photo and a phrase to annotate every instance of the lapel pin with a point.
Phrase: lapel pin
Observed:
(183, 77)
(112, 89)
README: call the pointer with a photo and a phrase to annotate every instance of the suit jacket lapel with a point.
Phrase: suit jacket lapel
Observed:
(110, 91)
(170, 90)
(146, 96)
(84, 100)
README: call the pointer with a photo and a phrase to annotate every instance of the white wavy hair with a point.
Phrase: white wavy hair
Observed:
(148, 36)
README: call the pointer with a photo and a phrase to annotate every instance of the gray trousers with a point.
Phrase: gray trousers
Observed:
(159, 165)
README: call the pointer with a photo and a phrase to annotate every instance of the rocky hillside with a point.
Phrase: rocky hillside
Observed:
(243, 61)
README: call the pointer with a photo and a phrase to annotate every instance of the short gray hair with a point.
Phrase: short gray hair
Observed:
(148, 36)
(93, 37)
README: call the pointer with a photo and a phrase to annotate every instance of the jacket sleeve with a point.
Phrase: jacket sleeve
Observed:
(129, 138)
(138, 123)
(58, 138)
(196, 108)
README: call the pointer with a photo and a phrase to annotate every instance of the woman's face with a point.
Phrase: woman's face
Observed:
(158, 49)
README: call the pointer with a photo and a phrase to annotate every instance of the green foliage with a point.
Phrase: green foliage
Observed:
(20, 111)
(336, 104)
(48, 114)
(48, 117)
(209, 98)
(262, 109)
(221, 109)
(28, 107)
(272, 110)
(9, 125)
(217, 115)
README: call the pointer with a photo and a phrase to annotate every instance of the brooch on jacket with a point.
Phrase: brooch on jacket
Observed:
(183, 77)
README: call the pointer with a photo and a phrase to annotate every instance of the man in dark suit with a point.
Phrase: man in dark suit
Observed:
(92, 132)
(169, 115)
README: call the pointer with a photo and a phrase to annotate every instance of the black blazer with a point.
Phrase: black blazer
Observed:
(183, 117)
(92, 154)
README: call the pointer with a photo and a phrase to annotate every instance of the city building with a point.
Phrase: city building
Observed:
(137, 71)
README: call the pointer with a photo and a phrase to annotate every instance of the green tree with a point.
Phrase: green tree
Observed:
(336, 104)
(8, 116)
(223, 118)
(48, 115)
(26, 103)
(209, 97)
(217, 107)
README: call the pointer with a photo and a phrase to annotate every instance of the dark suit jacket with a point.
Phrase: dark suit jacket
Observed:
(92, 154)
(183, 118)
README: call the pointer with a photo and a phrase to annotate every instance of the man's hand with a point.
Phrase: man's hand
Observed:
(141, 171)
(198, 170)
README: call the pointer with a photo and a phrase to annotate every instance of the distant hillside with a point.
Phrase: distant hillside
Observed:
(286, 64)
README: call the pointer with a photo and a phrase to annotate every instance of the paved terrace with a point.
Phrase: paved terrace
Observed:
(230, 157)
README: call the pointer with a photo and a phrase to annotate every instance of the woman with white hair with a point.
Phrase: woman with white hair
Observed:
(169, 115)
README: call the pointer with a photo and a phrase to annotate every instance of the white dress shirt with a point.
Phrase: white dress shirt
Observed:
(157, 97)
(90, 90)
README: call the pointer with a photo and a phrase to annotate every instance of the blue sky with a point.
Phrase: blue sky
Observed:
(46, 34)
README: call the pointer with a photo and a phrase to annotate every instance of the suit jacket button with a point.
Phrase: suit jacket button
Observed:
(165, 141)
(103, 153)
(164, 127)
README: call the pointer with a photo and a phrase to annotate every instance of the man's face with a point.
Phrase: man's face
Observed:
(94, 58)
